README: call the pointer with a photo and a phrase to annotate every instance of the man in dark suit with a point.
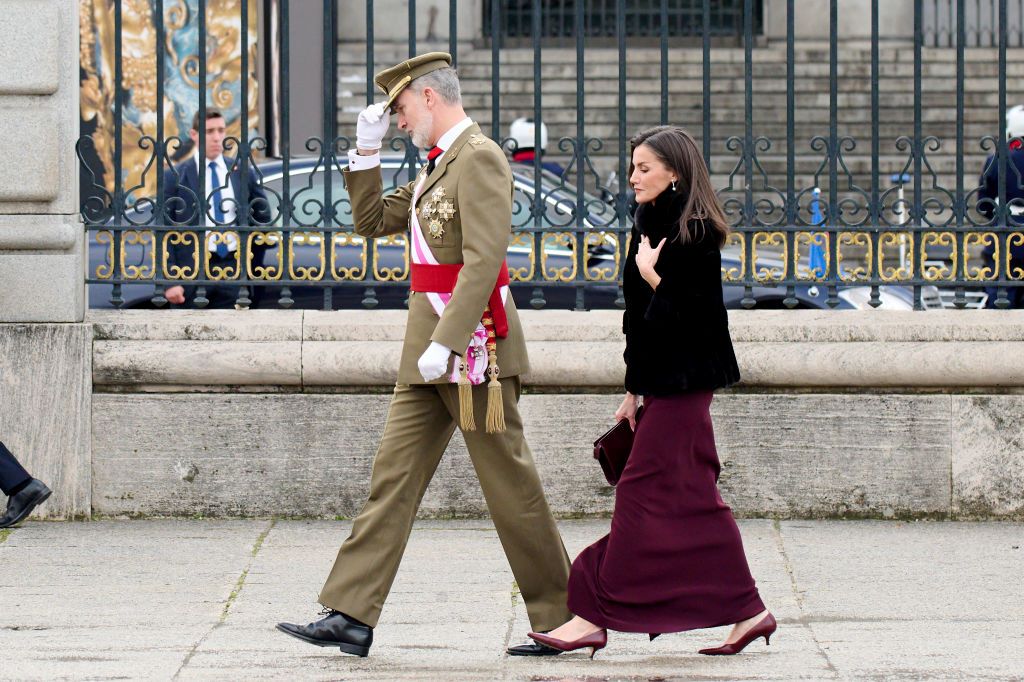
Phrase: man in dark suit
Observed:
(988, 201)
(24, 493)
(220, 208)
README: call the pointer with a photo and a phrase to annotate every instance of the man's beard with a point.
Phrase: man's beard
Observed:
(421, 133)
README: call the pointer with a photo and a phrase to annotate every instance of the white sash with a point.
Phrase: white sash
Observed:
(476, 352)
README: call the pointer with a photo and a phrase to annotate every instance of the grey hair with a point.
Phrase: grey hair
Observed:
(445, 82)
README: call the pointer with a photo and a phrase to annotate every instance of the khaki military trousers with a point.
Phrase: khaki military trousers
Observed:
(421, 421)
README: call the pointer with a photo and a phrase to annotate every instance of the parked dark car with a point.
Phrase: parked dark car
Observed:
(560, 201)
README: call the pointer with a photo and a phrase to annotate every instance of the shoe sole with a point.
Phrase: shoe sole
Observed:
(553, 652)
(345, 647)
(30, 508)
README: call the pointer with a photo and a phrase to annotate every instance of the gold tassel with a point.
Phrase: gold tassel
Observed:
(495, 405)
(466, 421)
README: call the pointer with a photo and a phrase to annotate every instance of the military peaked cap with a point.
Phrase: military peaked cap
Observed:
(392, 81)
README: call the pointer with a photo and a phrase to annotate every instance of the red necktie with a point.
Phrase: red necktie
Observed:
(432, 158)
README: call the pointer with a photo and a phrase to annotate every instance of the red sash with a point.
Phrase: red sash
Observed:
(441, 279)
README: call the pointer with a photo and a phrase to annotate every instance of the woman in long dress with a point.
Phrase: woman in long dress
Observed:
(674, 559)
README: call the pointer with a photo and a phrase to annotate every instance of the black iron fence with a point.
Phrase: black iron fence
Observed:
(679, 18)
(841, 233)
(979, 21)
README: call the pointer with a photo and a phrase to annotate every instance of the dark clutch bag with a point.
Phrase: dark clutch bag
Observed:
(612, 449)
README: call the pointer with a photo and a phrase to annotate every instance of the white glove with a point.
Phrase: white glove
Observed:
(433, 363)
(371, 126)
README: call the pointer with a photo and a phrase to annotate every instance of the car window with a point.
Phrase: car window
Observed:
(307, 191)
(560, 204)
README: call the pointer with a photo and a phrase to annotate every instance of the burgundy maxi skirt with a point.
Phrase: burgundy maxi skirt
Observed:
(673, 560)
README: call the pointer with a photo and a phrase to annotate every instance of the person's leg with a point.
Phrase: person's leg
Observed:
(13, 477)
(24, 492)
(515, 498)
(417, 431)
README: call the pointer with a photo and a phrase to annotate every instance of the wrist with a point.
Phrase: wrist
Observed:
(651, 277)
(367, 152)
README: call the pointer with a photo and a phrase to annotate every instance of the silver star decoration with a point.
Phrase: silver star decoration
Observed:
(446, 211)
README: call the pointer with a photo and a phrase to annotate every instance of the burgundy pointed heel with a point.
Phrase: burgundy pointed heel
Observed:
(593, 641)
(764, 628)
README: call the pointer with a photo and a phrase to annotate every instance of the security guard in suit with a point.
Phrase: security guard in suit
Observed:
(220, 249)
(462, 323)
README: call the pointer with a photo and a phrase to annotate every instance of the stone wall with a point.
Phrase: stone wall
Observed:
(45, 350)
(852, 414)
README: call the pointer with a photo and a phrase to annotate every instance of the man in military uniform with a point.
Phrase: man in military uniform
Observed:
(462, 321)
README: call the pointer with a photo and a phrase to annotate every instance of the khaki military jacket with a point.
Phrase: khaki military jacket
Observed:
(473, 229)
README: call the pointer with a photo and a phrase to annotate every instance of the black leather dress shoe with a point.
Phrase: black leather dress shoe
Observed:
(532, 649)
(335, 629)
(21, 505)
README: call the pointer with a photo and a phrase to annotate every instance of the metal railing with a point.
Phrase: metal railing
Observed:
(681, 18)
(916, 234)
(979, 21)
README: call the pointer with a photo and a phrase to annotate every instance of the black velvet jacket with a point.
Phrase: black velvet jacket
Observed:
(677, 337)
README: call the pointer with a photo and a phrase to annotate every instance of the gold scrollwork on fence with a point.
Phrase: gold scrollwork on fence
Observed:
(269, 273)
(181, 239)
(861, 271)
(979, 273)
(819, 239)
(219, 273)
(895, 239)
(306, 273)
(523, 240)
(604, 272)
(106, 270)
(931, 272)
(554, 243)
(351, 272)
(769, 273)
(145, 270)
(1015, 239)
(393, 274)
(736, 274)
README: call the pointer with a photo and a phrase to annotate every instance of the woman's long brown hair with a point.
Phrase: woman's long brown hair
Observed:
(677, 149)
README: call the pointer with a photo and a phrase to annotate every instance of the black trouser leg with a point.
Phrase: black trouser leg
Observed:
(13, 476)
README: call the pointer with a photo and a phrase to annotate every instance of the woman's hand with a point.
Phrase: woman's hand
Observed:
(647, 258)
(627, 410)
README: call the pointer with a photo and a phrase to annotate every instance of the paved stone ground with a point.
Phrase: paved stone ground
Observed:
(197, 600)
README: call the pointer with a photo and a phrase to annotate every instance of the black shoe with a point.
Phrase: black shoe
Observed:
(21, 505)
(336, 629)
(532, 649)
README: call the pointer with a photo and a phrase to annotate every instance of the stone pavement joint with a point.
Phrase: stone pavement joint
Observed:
(512, 614)
(797, 597)
(4, 534)
(241, 579)
(239, 584)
